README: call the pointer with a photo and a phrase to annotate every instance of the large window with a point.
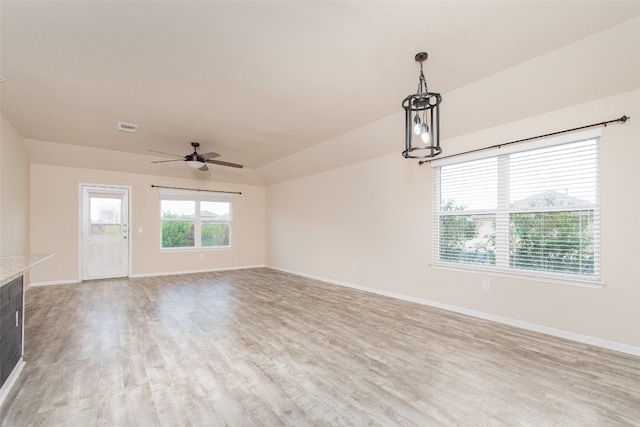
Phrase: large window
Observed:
(532, 212)
(195, 220)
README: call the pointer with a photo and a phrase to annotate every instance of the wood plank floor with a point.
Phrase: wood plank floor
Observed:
(260, 347)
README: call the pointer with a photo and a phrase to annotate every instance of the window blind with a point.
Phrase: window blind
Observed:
(169, 194)
(534, 211)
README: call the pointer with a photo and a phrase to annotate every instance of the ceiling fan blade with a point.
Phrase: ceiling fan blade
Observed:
(210, 155)
(167, 154)
(204, 168)
(165, 161)
(221, 163)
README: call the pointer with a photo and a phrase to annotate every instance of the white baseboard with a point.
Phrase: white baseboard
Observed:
(13, 377)
(169, 273)
(52, 283)
(585, 339)
(207, 270)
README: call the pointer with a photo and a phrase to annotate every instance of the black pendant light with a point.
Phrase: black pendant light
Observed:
(422, 120)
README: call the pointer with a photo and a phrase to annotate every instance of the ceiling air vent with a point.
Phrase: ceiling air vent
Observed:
(127, 127)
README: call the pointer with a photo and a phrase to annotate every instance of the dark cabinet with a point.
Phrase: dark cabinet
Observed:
(10, 327)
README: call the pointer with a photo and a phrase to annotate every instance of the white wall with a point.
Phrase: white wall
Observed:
(55, 219)
(603, 64)
(376, 215)
(14, 192)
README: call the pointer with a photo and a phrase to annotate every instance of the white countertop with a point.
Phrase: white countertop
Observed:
(15, 266)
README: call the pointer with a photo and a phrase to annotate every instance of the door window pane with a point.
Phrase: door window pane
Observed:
(105, 215)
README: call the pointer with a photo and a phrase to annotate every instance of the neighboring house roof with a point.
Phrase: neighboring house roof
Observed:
(209, 214)
(549, 198)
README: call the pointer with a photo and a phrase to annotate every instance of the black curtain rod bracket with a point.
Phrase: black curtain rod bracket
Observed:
(196, 189)
(622, 119)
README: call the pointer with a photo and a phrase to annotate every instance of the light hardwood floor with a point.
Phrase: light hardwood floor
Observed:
(260, 347)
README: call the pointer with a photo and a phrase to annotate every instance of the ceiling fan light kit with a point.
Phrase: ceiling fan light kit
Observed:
(195, 164)
(192, 159)
(422, 119)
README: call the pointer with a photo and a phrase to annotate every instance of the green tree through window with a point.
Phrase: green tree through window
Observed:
(534, 210)
(461, 237)
(193, 220)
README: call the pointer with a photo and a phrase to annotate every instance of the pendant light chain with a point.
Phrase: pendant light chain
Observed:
(422, 81)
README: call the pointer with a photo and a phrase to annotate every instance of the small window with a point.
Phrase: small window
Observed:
(195, 220)
(528, 212)
(105, 216)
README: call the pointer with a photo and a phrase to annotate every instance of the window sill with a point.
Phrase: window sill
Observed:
(558, 279)
(199, 249)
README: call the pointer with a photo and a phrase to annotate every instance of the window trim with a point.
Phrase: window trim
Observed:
(545, 277)
(499, 269)
(197, 197)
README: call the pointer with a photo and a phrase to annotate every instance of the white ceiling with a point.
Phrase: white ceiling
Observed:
(253, 81)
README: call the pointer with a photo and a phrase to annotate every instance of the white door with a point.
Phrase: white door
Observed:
(105, 232)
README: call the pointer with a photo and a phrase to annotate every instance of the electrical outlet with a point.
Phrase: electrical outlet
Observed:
(486, 285)
(201, 256)
(353, 265)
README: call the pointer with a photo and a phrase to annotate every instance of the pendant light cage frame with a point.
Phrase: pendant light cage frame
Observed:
(422, 110)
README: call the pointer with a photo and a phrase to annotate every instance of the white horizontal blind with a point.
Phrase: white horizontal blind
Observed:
(535, 211)
(466, 220)
(170, 194)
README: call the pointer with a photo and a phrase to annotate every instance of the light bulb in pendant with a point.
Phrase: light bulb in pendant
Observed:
(417, 127)
(425, 136)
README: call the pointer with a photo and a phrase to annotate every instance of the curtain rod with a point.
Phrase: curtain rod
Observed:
(196, 189)
(621, 119)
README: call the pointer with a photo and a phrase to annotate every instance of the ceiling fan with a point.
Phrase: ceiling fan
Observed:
(196, 160)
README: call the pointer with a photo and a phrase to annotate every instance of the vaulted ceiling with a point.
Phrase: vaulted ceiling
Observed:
(254, 81)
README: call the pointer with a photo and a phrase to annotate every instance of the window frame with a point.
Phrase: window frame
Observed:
(197, 197)
(504, 211)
